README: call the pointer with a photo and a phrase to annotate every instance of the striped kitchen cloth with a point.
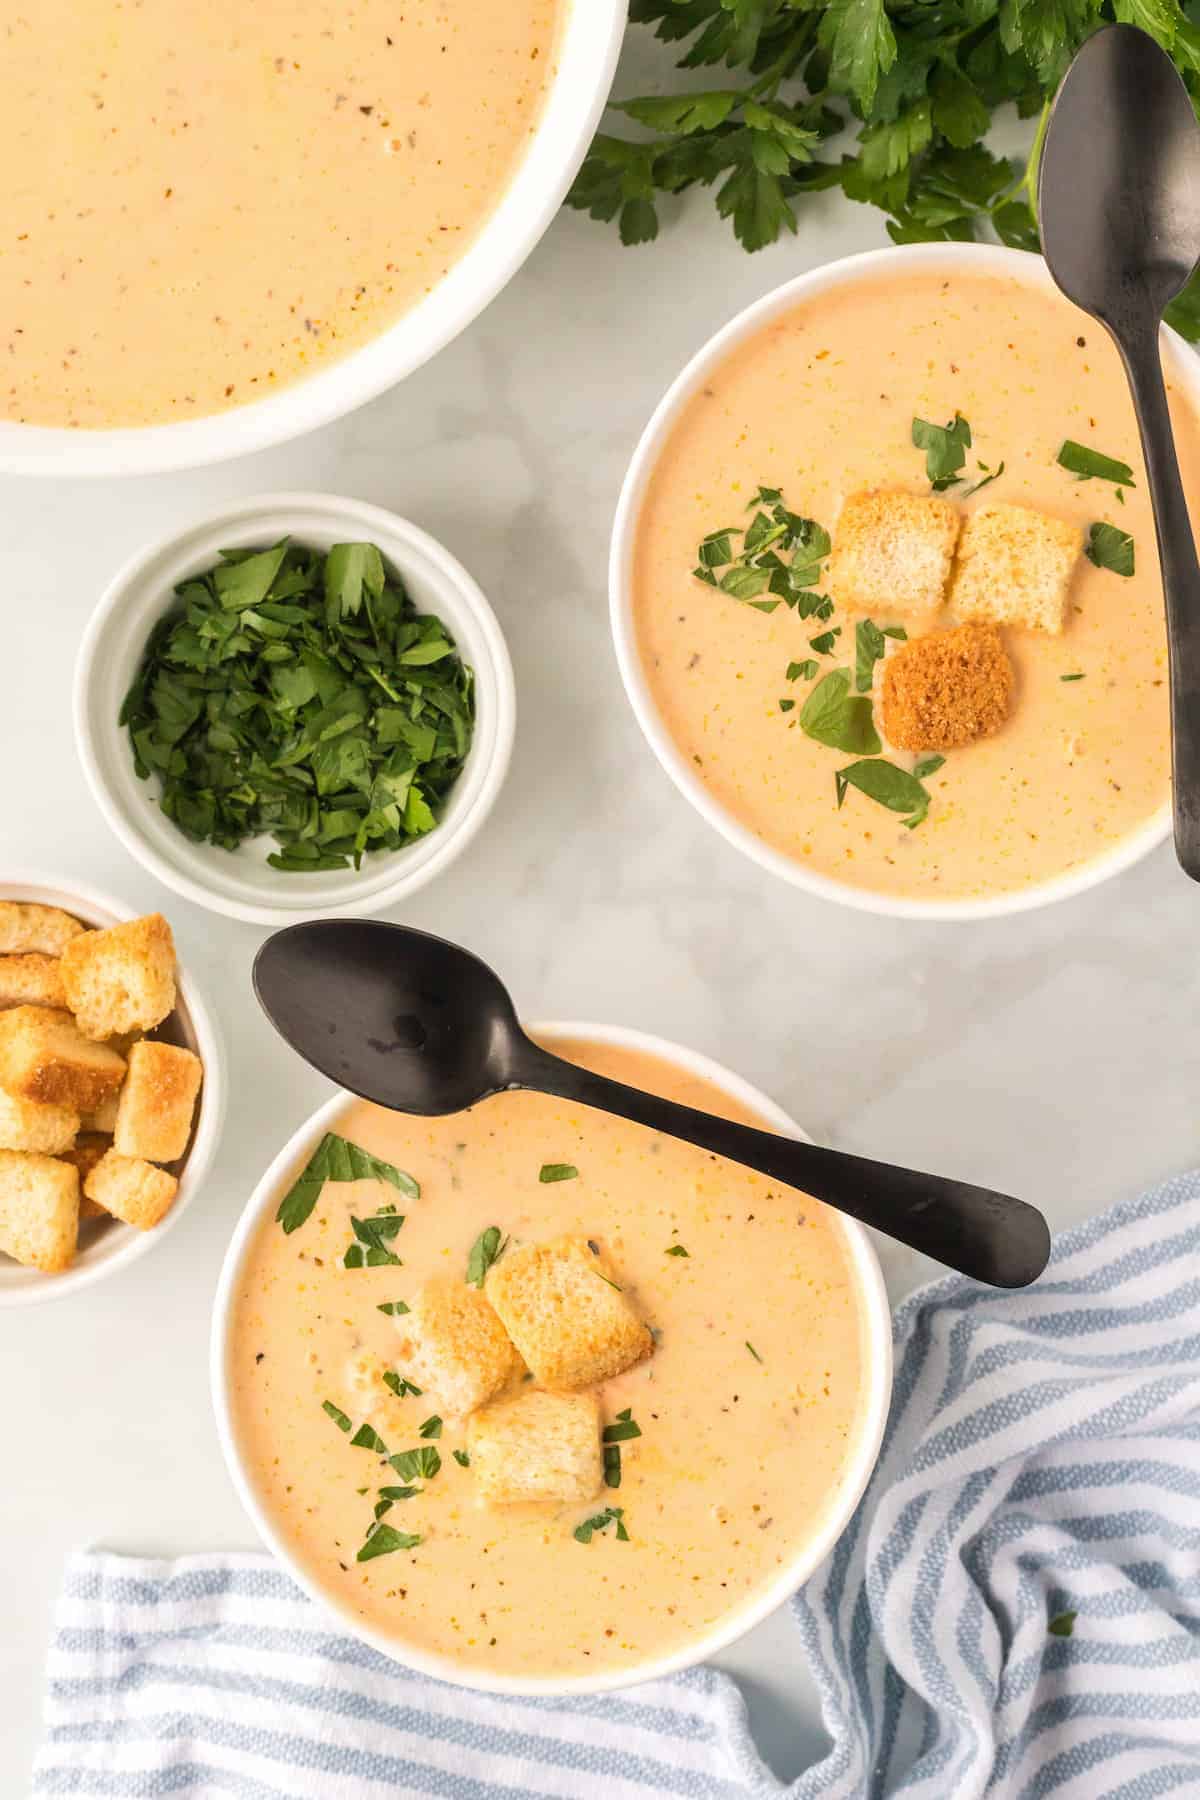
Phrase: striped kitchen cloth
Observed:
(1014, 1610)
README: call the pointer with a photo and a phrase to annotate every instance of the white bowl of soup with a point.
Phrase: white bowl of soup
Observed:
(815, 392)
(254, 218)
(756, 1418)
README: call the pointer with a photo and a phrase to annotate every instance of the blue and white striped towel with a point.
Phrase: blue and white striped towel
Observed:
(1042, 1457)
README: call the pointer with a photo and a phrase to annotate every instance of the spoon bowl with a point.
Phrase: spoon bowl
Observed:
(421, 1026)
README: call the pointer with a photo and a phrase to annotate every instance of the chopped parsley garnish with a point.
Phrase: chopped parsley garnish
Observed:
(461, 1457)
(676, 1250)
(337, 1159)
(400, 1384)
(927, 765)
(381, 1540)
(393, 1307)
(394, 1494)
(786, 706)
(945, 448)
(372, 1238)
(780, 558)
(1063, 1624)
(432, 1427)
(753, 1351)
(558, 1172)
(342, 1420)
(367, 1438)
(824, 641)
(1093, 465)
(623, 1427)
(802, 671)
(835, 717)
(299, 693)
(892, 787)
(1077, 676)
(488, 1248)
(411, 1465)
(612, 1515)
(1110, 548)
(987, 475)
(869, 646)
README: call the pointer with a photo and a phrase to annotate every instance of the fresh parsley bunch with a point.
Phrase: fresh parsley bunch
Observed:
(919, 82)
(301, 694)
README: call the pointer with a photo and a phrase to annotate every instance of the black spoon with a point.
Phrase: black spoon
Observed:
(421, 1026)
(1119, 203)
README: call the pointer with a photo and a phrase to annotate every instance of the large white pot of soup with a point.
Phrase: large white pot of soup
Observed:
(884, 587)
(661, 1406)
(226, 224)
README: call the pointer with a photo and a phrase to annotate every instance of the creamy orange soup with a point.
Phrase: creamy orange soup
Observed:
(743, 1451)
(821, 404)
(206, 199)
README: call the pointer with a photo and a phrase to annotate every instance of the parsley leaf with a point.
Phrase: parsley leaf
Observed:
(612, 1515)
(411, 1465)
(400, 1384)
(945, 448)
(381, 1540)
(869, 646)
(558, 1172)
(373, 1237)
(342, 1420)
(337, 1159)
(393, 1307)
(676, 1250)
(802, 671)
(1092, 465)
(891, 787)
(1110, 548)
(461, 1457)
(780, 559)
(833, 717)
(488, 1248)
(432, 1428)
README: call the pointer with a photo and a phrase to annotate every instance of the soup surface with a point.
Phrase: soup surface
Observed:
(204, 200)
(743, 1451)
(821, 403)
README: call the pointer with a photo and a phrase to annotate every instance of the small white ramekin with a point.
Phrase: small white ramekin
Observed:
(876, 265)
(241, 884)
(110, 1247)
(585, 59)
(877, 1368)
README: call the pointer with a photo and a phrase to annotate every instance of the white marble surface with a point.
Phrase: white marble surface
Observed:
(1055, 1054)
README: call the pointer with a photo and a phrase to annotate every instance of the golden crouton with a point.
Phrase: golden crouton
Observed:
(947, 689)
(154, 1111)
(33, 1125)
(103, 1118)
(122, 979)
(44, 1057)
(892, 553)
(565, 1312)
(1014, 567)
(536, 1446)
(39, 1210)
(32, 980)
(31, 929)
(131, 1190)
(83, 1156)
(454, 1347)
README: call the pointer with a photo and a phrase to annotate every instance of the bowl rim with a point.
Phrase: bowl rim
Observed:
(591, 35)
(867, 266)
(875, 1318)
(95, 906)
(450, 838)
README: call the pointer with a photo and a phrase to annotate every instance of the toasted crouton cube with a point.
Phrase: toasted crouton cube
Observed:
(34, 1125)
(131, 1190)
(31, 980)
(122, 979)
(83, 1156)
(27, 928)
(892, 553)
(39, 1210)
(1014, 568)
(454, 1347)
(536, 1446)
(103, 1118)
(565, 1312)
(947, 689)
(44, 1057)
(154, 1111)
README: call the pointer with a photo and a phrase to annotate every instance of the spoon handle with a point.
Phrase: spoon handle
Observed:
(980, 1233)
(1181, 584)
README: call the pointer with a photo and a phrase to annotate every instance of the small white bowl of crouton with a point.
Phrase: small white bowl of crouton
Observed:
(111, 1088)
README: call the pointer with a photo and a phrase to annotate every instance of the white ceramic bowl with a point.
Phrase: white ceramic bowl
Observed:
(875, 265)
(877, 1364)
(241, 884)
(107, 1247)
(587, 57)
